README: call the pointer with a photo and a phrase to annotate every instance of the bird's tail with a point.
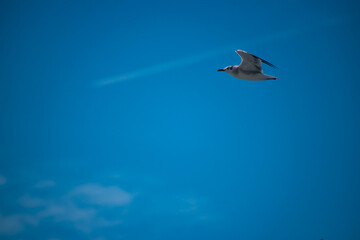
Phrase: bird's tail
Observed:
(268, 77)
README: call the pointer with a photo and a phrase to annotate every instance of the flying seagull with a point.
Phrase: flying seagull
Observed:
(250, 68)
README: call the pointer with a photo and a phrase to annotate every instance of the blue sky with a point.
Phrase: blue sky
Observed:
(115, 123)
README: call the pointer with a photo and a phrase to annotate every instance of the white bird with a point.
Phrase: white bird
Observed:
(250, 68)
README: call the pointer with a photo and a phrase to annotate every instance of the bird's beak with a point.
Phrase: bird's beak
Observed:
(221, 70)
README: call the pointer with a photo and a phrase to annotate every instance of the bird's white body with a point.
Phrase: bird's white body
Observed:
(251, 77)
(249, 69)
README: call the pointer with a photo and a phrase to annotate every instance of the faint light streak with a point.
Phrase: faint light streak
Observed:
(163, 67)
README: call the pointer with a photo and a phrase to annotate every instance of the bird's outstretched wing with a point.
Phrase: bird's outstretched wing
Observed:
(251, 62)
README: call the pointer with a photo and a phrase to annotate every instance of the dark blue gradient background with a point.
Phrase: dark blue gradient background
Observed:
(179, 152)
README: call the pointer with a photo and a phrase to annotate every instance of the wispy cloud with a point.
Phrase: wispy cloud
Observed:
(99, 195)
(13, 224)
(45, 184)
(161, 67)
(212, 53)
(84, 219)
(3, 180)
(81, 206)
(31, 202)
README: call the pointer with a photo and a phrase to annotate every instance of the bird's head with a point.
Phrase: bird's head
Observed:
(227, 69)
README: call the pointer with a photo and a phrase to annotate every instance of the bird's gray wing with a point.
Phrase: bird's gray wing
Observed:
(251, 62)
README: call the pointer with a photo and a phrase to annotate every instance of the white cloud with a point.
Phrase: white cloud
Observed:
(31, 202)
(104, 196)
(67, 212)
(82, 218)
(3, 180)
(11, 225)
(16, 223)
(67, 208)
